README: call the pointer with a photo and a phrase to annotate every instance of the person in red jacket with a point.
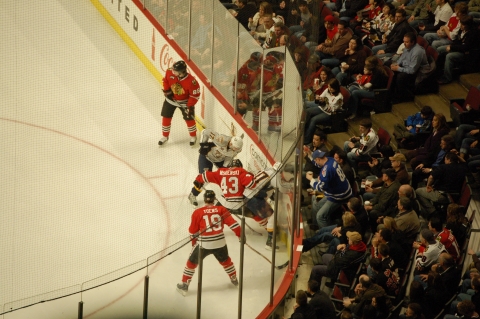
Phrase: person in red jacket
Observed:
(183, 91)
(206, 233)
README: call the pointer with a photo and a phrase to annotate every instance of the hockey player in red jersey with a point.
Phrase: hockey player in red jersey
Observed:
(207, 228)
(183, 91)
(232, 180)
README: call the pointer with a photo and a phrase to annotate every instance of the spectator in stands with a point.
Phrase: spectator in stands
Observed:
(330, 102)
(318, 87)
(346, 10)
(435, 290)
(420, 122)
(354, 205)
(346, 256)
(364, 292)
(445, 236)
(407, 219)
(318, 143)
(474, 8)
(433, 160)
(414, 311)
(466, 310)
(398, 164)
(302, 306)
(358, 148)
(429, 256)
(314, 68)
(465, 41)
(440, 17)
(352, 61)
(244, 11)
(341, 158)
(382, 305)
(305, 20)
(457, 222)
(398, 236)
(320, 301)
(332, 183)
(439, 129)
(255, 23)
(444, 35)
(394, 39)
(405, 69)
(419, 12)
(387, 278)
(335, 234)
(475, 297)
(387, 196)
(330, 51)
(449, 273)
(378, 80)
(448, 178)
(376, 27)
(265, 37)
(396, 252)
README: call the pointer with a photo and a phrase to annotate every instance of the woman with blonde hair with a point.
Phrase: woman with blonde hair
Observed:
(255, 24)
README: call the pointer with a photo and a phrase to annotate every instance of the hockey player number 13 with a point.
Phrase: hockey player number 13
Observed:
(229, 185)
(213, 219)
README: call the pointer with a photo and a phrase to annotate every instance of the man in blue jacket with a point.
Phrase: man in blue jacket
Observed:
(334, 185)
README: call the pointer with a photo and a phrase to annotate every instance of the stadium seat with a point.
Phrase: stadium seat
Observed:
(421, 41)
(460, 113)
(381, 101)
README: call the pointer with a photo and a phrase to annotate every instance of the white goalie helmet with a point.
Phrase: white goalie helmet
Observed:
(236, 143)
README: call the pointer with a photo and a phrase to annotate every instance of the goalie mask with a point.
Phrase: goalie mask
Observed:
(209, 197)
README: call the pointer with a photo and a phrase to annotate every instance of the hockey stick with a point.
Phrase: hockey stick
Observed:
(250, 227)
(262, 255)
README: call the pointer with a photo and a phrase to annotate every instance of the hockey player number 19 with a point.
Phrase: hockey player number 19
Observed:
(229, 185)
(213, 219)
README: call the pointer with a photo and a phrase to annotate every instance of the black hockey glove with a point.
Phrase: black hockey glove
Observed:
(206, 147)
(168, 93)
(198, 186)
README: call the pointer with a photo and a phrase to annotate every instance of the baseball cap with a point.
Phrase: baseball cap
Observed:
(391, 173)
(318, 154)
(398, 157)
(354, 236)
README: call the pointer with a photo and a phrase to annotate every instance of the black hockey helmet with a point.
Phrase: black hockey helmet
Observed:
(180, 66)
(209, 196)
(235, 163)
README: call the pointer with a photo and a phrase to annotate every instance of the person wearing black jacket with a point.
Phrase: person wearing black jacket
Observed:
(391, 43)
(466, 41)
(245, 10)
(320, 301)
(347, 9)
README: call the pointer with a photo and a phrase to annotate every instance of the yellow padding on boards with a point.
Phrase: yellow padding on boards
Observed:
(150, 67)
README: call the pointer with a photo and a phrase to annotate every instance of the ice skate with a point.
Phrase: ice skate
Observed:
(193, 140)
(269, 244)
(234, 281)
(182, 288)
(193, 199)
(162, 141)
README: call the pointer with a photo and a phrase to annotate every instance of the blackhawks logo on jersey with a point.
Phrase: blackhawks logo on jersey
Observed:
(177, 89)
(194, 82)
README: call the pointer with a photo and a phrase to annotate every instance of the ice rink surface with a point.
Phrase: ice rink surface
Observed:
(86, 190)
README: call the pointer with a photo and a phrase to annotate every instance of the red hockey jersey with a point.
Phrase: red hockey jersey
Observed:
(186, 91)
(448, 240)
(232, 181)
(207, 223)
